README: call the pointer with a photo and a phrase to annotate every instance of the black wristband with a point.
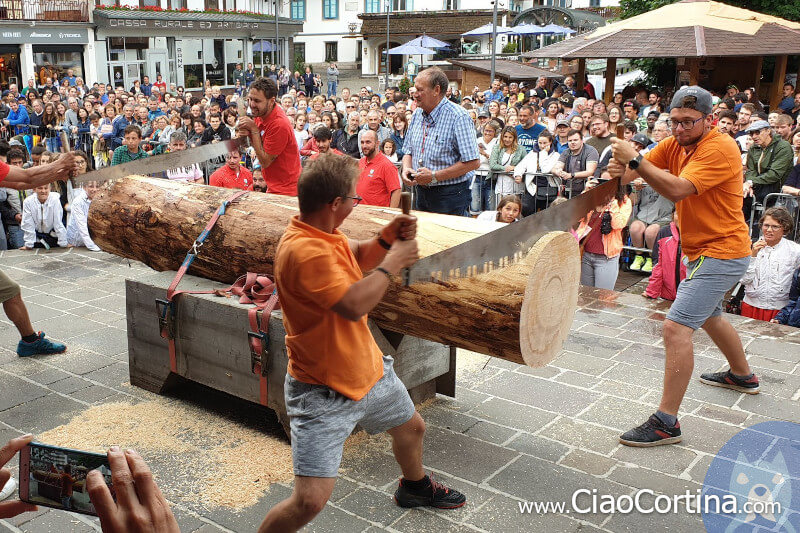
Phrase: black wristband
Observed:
(385, 245)
(388, 274)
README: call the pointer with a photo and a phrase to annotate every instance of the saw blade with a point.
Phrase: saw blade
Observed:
(161, 163)
(504, 246)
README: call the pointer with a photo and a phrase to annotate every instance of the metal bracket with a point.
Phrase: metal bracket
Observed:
(166, 318)
(258, 359)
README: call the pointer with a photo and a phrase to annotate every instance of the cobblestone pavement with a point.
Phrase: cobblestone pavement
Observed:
(512, 434)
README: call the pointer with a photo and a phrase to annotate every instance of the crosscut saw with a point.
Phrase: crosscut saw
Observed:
(507, 245)
(161, 163)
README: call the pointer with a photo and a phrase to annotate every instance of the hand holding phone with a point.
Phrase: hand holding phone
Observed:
(7, 452)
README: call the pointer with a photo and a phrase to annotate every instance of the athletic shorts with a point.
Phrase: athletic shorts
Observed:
(321, 419)
(700, 294)
(8, 288)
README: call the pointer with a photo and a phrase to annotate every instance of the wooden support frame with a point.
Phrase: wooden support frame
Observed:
(580, 76)
(757, 76)
(611, 75)
(778, 78)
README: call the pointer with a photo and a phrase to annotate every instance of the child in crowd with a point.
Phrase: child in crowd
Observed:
(78, 229)
(389, 149)
(41, 220)
(669, 271)
(508, 210)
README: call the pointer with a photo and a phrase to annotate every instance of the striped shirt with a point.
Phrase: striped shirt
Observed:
(441, 139)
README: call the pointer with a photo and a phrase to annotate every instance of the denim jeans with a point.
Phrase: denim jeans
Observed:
(52, 144)
(3, 240)
(332, 88)
(483, 198)
(599, 271)
(16, 238)
(445, 199)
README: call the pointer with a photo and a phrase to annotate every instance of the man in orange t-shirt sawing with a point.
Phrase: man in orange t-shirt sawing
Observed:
(337, 376)
(699, 169)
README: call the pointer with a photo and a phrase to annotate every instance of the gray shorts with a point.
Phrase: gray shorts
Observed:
(321, 419)
(700, 294)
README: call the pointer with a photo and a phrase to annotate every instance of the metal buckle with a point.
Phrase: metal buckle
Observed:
(195, 250)
(256, 358)
(166, 314)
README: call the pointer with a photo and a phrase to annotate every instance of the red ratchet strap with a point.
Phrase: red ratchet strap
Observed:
(260, 291)
(166, 308)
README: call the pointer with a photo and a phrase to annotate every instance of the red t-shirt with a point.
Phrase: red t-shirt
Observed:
(333, 151)
(378, 179)
(594, 242)
(226, 177)
(4, 169)
(278, 139)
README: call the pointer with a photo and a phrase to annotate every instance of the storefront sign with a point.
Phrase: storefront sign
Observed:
(159, 24)
(44, 36)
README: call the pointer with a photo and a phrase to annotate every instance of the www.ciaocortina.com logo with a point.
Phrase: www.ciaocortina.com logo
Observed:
(753, 483)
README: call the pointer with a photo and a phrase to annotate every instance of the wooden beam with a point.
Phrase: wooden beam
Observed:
(757, 70)
(776, 91)
(580, 76)
(611, 74)
(694, 70)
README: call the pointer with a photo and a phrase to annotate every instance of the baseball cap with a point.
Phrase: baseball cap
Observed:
(483, 114)
(567, 99)
(562, 122)
(642, 139)
(703, 97)
(758, 125)
(14, 142)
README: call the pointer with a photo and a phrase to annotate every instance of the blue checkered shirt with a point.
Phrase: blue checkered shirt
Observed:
(449, 137)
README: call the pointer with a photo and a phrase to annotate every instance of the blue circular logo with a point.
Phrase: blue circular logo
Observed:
(753, 483)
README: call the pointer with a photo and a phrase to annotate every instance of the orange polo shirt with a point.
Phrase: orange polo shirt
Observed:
(313, 271)
(711, 221)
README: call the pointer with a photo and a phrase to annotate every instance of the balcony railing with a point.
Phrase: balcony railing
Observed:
(55, 10)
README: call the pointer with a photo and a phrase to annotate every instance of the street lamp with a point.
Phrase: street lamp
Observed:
(275, 48)
(494, 37)
(388, 4)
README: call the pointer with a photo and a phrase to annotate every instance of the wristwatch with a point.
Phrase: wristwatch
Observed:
(634, 163)
(434, 181)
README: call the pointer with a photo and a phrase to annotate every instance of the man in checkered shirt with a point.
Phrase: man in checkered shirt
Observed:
(441, 148)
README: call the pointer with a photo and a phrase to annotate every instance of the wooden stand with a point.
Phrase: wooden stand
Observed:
(212, 349)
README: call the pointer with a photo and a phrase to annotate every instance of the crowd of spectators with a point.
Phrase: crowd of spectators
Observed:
(535, 142)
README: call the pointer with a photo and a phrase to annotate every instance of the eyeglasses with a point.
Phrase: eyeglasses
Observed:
(755, 133)
(685, 124)
(356, 199)
(772, 227)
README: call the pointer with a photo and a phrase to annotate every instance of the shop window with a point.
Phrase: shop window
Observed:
(214, 55)
(330, 9)
(192, 56)
(403, 5)
(177, 4)
(48, 61)
(234, 50)
(450, 5)
(211, 4)
(149, 3)
(331, 52)
(298, 9)
(9, 69)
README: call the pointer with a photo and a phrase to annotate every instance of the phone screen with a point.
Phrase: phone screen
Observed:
(56, 477)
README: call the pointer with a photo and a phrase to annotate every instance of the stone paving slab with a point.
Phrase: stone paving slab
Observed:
(512, 435)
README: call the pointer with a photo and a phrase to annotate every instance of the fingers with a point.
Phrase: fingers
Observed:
(12, 447)
(143, 478)
(102, 500)
(122, 478)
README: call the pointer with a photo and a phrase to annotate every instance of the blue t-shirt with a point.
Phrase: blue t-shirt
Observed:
(528, 137)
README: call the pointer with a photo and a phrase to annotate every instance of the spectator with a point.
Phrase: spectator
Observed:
(272, 137)
(322, 143)
(774, 260)
(783, 127)
(42, 220)
(505, 156)
(159, 84)
(540, 90)
(249, 75)
(482, 198)
(191, 173)
(118, 127)
(389, 149)
(308, 82)
(441, 152)
(378, 182)
(195, 138)
(529, 128)
(669, 270)
(508, 210)
(130, 150)
(77, 228)
(654, 211)
(538, 189)
(494, 94)
(51, 127)
(374, 124)
(347, 141)
(17, 120)
(216, 130)
(744, 114)
(577, 164)
(600, 141)
(398, 133)
(602, 231)
(727, 123)
(787, 103)
(333, 79)
(259, 185)
(769, 161)
(232, 175)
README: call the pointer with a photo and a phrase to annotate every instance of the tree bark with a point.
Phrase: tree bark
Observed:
(521, 313)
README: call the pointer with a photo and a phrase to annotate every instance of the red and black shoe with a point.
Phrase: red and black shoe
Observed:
(654, 432)
(729, 381)
(433, 495)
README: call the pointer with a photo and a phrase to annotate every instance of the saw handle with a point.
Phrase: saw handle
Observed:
(405, 206)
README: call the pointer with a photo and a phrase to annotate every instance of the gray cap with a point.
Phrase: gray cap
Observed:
(562, 122)
(642, 139)
(758, 125)
(704, 103)
(15, 142)
(484, 114)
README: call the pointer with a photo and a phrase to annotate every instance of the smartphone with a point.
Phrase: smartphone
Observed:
(56, 477)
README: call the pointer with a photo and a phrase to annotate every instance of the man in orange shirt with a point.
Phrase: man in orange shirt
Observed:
(379, 182)
(337, 376)
(232, 175)
(703, 177)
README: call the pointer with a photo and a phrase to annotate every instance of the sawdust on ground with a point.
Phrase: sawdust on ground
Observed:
(196, 456)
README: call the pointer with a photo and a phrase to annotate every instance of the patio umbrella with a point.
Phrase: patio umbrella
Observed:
(262, 46)
(486, 29)
(411, 49)
(530, 29)
(558, 30)
(428, 42)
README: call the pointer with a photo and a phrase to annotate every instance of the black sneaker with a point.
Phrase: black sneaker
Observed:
(436, 495)
(654, 432)
(729, 381)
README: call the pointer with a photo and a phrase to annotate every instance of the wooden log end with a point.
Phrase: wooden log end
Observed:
(551, 297)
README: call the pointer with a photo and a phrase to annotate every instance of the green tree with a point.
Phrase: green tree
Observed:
(658, 71)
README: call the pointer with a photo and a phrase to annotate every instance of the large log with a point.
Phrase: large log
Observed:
(521, 313)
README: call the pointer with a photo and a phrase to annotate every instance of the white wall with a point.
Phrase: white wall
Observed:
(318, 30)
(585, 3)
